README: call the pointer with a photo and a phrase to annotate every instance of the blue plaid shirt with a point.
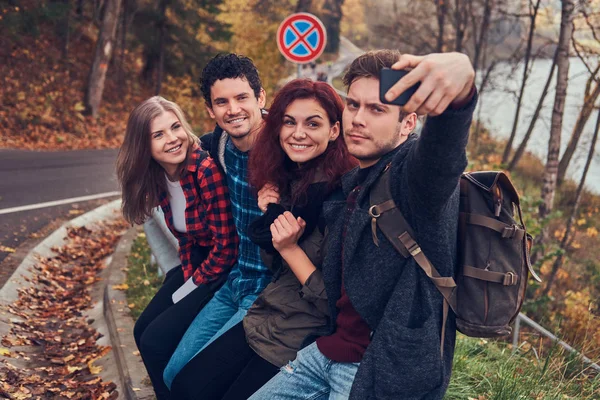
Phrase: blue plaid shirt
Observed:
(249, 275)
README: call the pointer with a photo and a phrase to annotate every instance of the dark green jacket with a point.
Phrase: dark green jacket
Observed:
(287, 315)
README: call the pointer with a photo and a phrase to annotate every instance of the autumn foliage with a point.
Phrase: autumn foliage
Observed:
(41, 91)
(51, 349)
(572, 307)
(42, 88)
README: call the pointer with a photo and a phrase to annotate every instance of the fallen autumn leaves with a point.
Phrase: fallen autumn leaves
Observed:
(50, 339)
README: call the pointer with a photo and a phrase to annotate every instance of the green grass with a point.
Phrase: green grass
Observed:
(487, 370)
(142, 278)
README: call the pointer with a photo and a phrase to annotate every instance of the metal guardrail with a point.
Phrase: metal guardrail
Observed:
(522, 318)
(164, 246)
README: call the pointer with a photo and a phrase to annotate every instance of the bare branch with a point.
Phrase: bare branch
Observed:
(581, 56)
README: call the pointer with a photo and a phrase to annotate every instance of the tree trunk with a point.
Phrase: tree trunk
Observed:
(513, 132)
(303, 6)
(99, 8)
(104, 48)
(484, 82)
(162, 28)
(521, 149)
(63, 7)
(67, 32)
(565, 240)
(122, 46)
(459, 25)
(441, 7)
(562, 62)
(584, 115)
(332, 20)
(480, 37)
(150, 65)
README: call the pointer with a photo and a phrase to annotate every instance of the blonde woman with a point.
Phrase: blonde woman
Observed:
(161, 164)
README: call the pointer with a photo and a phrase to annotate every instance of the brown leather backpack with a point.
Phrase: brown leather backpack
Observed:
(491, 275)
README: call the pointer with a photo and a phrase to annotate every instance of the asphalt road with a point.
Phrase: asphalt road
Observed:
(29, 177)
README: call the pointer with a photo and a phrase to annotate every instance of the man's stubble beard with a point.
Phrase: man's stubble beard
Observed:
(246, 139)
(239, 135)
(380, 149)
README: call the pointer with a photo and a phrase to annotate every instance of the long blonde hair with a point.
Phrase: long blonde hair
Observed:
(141, 178)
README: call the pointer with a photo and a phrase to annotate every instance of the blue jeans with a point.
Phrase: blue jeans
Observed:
(221, 313)
(311, 376)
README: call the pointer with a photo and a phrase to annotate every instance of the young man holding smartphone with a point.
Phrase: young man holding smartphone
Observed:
(387, 326)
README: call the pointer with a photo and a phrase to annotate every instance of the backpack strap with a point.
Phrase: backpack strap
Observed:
(507, 231)
(486, 180)
(528, 241)
(385, 214)
(203, 156)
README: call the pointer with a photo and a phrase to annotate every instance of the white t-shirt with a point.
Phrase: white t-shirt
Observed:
(177, 201)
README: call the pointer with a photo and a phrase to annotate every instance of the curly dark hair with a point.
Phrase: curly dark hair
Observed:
(231, 65)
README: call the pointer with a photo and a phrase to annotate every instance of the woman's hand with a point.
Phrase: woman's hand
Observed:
(286, 230)
(266, 195)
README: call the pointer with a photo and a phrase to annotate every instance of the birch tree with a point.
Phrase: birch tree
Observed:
(104, 49)
(562, 63)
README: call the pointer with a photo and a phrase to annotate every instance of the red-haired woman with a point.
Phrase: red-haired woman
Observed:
(297, 161)
(160, 163)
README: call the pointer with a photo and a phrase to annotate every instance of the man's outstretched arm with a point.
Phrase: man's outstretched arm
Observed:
(448, 96)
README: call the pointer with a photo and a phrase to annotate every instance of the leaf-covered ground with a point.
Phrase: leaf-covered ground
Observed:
(51, 347)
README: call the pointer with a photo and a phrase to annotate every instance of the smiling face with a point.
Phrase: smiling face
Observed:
(371, 128)
(306, 130)
(168, 141)
(235, 108)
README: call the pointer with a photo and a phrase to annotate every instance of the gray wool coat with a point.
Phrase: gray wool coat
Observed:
(392, 294)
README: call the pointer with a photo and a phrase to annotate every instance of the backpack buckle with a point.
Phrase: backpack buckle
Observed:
(509, 232)
(373, 212)
(510, 279)
(414, 250)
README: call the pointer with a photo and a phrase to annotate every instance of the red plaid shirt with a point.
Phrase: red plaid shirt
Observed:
(208, 220)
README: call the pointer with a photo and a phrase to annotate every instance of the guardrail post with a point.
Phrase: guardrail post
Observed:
(516, 331)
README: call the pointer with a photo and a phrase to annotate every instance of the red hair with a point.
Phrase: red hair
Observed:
(268, 162)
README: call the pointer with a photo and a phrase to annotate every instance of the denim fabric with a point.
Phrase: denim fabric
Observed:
(311, 376)
(221, 313)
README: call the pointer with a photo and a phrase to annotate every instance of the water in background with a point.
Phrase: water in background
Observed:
(498, 104)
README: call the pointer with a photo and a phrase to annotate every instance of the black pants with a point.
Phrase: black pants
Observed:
(161, 326)
(227, 369)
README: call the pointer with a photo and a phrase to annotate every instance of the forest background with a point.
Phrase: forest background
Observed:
(72, 70)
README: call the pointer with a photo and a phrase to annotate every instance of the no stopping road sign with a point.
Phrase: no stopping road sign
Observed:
(301, 38)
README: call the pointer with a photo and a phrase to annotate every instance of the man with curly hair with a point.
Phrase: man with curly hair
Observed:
(235, 99)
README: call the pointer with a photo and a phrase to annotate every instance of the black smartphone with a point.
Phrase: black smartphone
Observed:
(388, 78)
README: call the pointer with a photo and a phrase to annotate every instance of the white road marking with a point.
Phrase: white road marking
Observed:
(58, 202)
